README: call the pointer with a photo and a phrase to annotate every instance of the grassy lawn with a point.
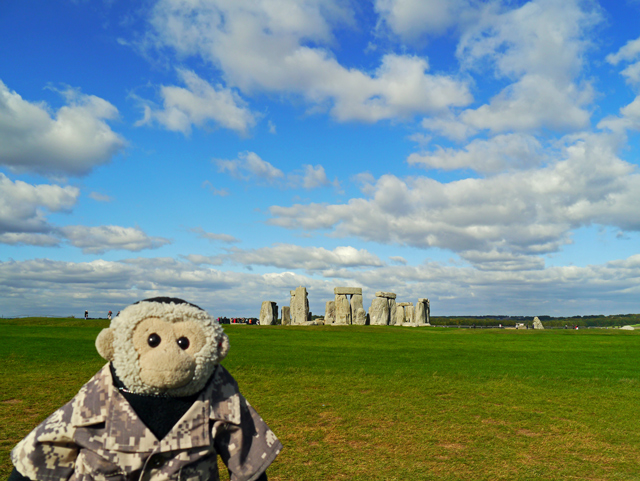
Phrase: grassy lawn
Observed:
(387, 403)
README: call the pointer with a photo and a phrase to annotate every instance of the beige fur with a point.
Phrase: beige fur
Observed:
(104, 344)
(166, 369)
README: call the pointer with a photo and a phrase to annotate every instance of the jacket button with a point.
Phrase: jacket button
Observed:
(156, 461)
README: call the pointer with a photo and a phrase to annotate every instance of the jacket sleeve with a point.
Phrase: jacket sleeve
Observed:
(248, 448)
(48, 452)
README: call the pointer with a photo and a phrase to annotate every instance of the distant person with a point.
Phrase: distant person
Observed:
(109, 315)
(86, 314)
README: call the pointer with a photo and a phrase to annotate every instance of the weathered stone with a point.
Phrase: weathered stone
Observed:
(347, 291)
(537, 323)
(268, 313)
(399, 315)
(356, 303)
(628, 328)
(361, 317)
(343, 309)
(420, 313)
(388, 295)
(286, 315)
(393, 312)
(408, 314)
(379, 311)
(330, 312)
(299, 306)
(428, 308)
(405, 304)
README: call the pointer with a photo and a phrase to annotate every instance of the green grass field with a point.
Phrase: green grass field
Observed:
(387, 403)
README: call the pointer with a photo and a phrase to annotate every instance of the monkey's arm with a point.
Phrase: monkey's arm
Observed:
(247, 448)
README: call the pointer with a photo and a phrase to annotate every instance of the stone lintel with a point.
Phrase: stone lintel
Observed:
(388, 295)
(347, 291)
(423, 299)
(404, 304)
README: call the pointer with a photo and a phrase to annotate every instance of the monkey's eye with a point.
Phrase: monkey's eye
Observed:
(154, 340)
(183, 342)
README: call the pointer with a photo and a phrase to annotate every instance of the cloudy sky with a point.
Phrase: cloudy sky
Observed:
(483, 154)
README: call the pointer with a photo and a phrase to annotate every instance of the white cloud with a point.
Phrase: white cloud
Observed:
(314, 177)
(533, 103)
(412, 19)
(289, 256)
(500, 153)
(540, 47)
(247, 165)
(628, 53)
(97, 196)
(547, 38)
(97, 240)
(73, 140)
(398, 260)
(199, 104)
(66, 288)
(22, 238)
(257, 50)
(449, 126)
(209, 186)
(23, 210)
(629, 118)
(521, 213)
(250, 166)
(202, 234)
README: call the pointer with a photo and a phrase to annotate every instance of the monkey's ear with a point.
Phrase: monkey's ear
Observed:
(104, 344)
(223, 347)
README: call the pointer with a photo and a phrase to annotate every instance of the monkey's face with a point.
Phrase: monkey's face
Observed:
(167, 351)
(163, 348)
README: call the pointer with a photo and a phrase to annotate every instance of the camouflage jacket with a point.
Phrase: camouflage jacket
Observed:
(98, 436)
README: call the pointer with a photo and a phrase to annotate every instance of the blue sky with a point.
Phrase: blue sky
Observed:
(481, 154)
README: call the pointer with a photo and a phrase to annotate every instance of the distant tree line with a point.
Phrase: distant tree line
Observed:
(616, 320)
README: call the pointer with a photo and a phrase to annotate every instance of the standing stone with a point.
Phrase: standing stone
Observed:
(400, 320)
(299, 307)
(421, 313)
(428, 308)
(330, 312)
(356, 303)
(393, 312)
(537, 323)
(379, 311)
(267, 317)
(409, 314)
(361, 317)
(286, 315)
(343, 309)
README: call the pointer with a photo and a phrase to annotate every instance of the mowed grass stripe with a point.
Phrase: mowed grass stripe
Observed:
(362, 403)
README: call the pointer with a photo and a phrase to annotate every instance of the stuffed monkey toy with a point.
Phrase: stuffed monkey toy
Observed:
(162, 408)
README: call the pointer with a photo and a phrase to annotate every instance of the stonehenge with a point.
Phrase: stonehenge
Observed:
(286, 315)
(268, 313)
(422, 313)
(347, 305)
(330, 312)
(299, 306)
(347, 309)
(381, 308)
